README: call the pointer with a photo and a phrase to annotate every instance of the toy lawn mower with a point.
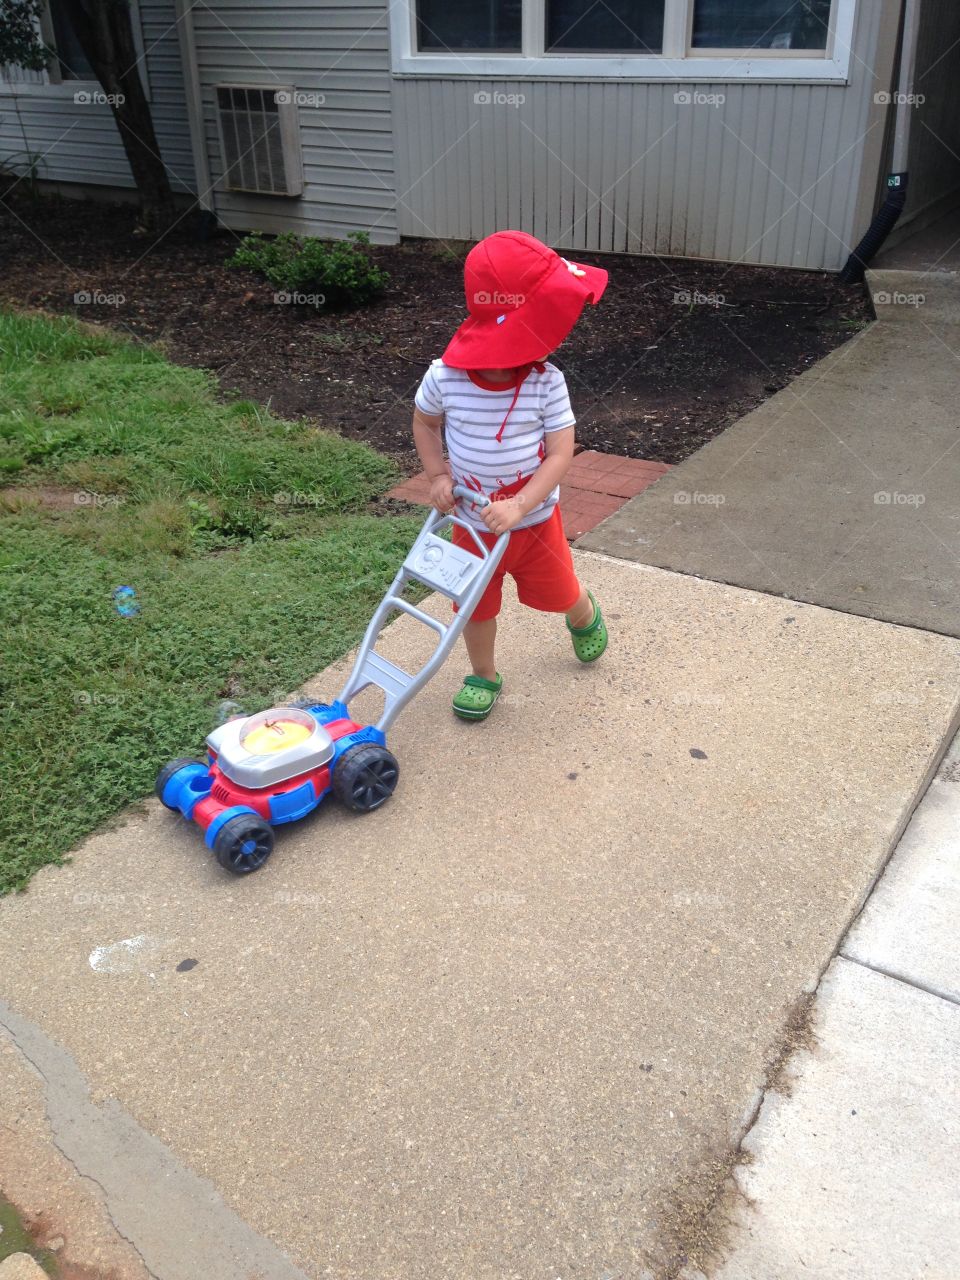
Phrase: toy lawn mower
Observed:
(277, 766)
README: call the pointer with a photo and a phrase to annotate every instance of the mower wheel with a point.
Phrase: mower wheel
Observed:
(243, 844)
(365, 776)
(166, 773)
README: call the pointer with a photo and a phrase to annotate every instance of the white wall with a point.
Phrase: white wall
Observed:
(339, 50)
(779, 173)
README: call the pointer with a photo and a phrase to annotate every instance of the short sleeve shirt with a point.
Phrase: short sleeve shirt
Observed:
(474, 411)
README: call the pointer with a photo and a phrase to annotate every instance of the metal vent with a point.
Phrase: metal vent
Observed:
(260, 139)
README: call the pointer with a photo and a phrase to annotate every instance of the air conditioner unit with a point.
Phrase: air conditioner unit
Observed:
(259, 139)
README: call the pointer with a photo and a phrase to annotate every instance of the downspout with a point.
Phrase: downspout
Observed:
(194, 104)
(889, 212)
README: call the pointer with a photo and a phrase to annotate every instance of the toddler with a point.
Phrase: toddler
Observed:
(509, 428)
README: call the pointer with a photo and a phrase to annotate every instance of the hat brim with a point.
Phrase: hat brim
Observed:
(531, 331)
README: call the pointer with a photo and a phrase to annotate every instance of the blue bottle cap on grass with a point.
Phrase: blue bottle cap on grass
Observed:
(125, 602)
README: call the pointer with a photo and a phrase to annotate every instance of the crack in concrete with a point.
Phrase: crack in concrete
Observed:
(175, 1221)
(901, 977)
(104, 1198)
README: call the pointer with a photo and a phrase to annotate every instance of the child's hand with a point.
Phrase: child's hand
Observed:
(500, 517)
(441, 492)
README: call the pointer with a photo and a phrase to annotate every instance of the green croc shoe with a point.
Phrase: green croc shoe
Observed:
(590, 641)
(476, 698)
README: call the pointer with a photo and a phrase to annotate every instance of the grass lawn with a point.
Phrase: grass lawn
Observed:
(246, 542)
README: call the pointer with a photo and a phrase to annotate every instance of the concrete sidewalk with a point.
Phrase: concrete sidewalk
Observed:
(854, 1163)
(843, 489)
(506, 1027)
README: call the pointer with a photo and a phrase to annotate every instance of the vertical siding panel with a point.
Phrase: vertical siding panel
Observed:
(444, 141)
(515, 176)
(467, 193)
(471, 214)
(662, 112)
(706, 175)
(769, 147)
(409, 166)
(565, 112)
(730, 126)
(781, 184)
(810, 168)
(498, 119)
(752, 226)
(834, 143)
(786, 236)
(743, 169)
(605, 171)
(558, 175)
(669, 118)
(538, 211)
(622, 160)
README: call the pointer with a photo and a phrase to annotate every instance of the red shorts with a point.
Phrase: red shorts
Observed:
(539, 561)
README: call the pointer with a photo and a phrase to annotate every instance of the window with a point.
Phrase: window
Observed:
(469, 25)
(71, 60)
(792, 40)
(761, 24)
(610, 26)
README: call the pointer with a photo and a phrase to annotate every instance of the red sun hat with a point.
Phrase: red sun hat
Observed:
(523, 299)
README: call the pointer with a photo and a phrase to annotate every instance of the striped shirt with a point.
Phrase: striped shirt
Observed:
(473, 413)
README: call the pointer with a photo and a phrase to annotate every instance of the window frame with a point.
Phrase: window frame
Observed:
(53, 84)
(677, 62)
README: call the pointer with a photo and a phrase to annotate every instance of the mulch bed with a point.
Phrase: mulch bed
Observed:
(651, 376)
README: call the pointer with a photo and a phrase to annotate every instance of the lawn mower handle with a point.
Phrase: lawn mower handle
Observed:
(480, 499)
(434, 562)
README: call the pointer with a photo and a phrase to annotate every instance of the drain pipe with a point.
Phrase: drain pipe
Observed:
(193, 96)
(889, 212)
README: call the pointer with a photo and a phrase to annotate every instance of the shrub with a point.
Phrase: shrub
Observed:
(331, 273)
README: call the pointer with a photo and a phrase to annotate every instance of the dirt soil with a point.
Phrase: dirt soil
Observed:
(677, 350)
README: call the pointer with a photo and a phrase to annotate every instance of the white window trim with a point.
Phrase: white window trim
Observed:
(53, 86)
(677, 62)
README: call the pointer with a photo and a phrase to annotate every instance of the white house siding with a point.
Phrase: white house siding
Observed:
(339, 50)
(777, 174)
(81, 143)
